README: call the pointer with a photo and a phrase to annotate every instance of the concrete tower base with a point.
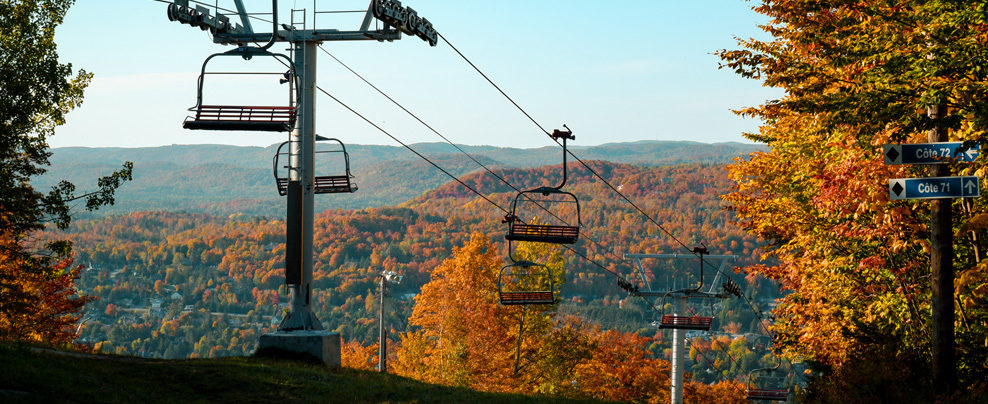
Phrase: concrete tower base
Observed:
(321, 345)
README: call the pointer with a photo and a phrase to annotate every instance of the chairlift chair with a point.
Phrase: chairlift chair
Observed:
(340, 180)
(694, 322)
(684, 322)
(524, 283)
(239, 117)
(560, 229)
(776, 394)
(557, 231)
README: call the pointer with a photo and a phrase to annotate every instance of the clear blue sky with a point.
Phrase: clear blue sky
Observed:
(613, 71)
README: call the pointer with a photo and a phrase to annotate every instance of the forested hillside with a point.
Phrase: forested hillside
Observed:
(223, 180)
(190, 284)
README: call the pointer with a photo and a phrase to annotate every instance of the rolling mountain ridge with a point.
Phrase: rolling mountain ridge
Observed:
(223, 180)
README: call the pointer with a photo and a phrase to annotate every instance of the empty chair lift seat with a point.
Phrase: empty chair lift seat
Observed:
(228, 117)
(517, 298)
(686, 322)
(333, 184)
(768, 394)
(323, 185)
(543, 233)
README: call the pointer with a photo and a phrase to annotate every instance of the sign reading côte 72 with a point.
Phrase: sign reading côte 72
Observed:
(929, 153)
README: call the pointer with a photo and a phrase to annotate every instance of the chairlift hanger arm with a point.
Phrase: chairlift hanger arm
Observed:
(563, 134)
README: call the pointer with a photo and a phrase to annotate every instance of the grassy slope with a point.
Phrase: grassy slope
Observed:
(32, 376)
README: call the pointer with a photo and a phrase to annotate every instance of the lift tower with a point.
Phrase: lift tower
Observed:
(300, 331)
(677, 320)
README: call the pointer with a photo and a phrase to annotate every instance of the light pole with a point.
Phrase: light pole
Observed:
(382, 350)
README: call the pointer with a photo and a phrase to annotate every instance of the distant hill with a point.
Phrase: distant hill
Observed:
(222, 180)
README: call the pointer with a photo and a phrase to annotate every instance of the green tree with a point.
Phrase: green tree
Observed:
(37, 92)
(858, 75)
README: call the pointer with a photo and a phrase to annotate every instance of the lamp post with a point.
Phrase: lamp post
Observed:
(382, 350)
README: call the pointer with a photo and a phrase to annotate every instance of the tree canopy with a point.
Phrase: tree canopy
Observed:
(857, 75)
(36, 292)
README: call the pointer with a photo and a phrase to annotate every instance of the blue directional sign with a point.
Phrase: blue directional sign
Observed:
(928, 153)
(934, 187)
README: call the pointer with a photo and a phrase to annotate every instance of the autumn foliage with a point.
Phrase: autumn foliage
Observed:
(462, 336)
(857, 76)
(39, 303)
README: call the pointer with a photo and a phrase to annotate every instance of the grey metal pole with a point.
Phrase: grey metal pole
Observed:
(382, 345)
(678, 355)
(301, 213)
(308, 173)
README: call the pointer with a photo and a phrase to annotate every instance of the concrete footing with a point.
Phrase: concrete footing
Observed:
(321, 345)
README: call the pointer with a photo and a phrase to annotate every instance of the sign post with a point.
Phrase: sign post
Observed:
(940, 189)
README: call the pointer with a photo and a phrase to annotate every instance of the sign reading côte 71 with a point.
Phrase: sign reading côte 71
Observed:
(929, 153)
(934, 188)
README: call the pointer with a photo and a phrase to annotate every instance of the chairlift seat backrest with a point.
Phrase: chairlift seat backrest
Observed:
(522, 283)
(776, 394)
(559, 231)
(340, 182)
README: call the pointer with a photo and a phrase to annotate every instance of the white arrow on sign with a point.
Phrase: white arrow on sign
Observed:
(971, 187)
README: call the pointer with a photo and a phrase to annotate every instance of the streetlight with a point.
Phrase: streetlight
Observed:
(382, 350)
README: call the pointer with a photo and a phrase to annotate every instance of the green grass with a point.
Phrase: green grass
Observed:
(31, 375)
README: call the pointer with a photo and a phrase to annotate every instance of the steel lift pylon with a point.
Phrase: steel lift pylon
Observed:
(304, 37)
(678, 321)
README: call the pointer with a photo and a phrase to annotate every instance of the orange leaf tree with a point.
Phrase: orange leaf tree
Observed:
(857, 75)
(462, 336)
(37, 296)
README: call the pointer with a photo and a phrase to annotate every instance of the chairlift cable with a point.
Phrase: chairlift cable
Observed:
(714, 366)
(489, 170)
(399, 105)
(757, 313)
(505, 181)
(598, 176)
(570, 152)
(412, 150)
(495, 85)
